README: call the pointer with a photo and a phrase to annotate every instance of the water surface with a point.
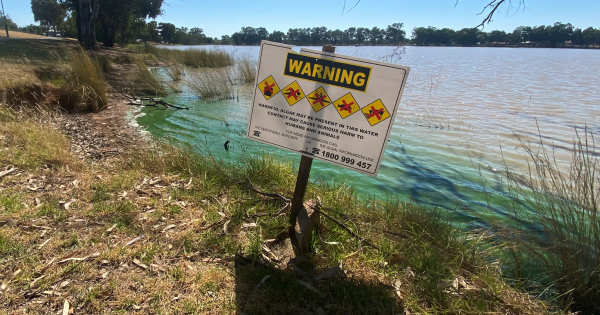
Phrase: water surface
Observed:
(457, 127)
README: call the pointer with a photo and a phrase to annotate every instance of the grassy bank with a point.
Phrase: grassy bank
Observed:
(197, 58)
(166, 230)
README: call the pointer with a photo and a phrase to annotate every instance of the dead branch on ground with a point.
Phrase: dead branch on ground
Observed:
(148, 101)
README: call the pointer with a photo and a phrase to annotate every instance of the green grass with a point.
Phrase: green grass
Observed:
(553, 229)
(167, 199)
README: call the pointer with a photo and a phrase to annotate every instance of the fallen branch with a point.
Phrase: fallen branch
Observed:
(272, 195)
(139, 101)
(343, 226)
(7, 172)
(288, 201)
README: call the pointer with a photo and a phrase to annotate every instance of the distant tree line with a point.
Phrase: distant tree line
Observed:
(12, 26)
(557, 35)
(391, 35)
(119, 21)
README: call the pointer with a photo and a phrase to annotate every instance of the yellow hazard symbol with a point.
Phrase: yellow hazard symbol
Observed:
(318, 99)
(293, 93)
(268, 87)
(375, 112)
(346, 105)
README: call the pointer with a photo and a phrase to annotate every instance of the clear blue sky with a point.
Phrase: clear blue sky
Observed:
(226, 17)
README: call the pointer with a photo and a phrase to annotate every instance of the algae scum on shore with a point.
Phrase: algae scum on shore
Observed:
(96, 218)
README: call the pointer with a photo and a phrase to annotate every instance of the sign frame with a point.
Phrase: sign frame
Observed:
(392, 109)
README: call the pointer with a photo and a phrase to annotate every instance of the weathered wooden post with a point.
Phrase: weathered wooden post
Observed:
(303, 219)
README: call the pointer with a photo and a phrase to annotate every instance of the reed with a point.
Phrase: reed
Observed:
(196, 58)
(145, 81)
(174, 71)
(210, 84)
(86, 80)
(246, 69)
(563, 205)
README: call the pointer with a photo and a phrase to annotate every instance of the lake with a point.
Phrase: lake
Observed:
(458, 124)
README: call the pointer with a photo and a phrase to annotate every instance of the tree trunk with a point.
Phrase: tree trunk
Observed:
(87, 16)
(108, 39)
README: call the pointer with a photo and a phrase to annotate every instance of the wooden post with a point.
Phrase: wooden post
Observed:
(309, 218)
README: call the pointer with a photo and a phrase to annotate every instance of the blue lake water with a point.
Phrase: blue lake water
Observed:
(456, 128)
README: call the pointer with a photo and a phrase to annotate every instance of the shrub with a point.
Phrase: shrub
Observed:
(86, 81)
(210, 84)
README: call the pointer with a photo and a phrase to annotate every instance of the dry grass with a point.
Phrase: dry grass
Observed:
(145, 81)
(22, 35)
(86, 80)
(174, 70)
(211, 83)
(246, 68)
(14, 74)
(196, 58)
(164, 230)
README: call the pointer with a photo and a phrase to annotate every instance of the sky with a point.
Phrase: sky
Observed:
(227, 16)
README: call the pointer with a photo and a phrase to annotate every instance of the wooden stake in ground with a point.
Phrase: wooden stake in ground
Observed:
(298, 200)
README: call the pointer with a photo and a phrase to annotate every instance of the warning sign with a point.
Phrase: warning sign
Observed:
(293, 93)
(318, 99)
(268, 87)
(375, 112)
(346, 105)
(343, 120)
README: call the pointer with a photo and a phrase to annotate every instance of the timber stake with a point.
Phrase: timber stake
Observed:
(298, 200)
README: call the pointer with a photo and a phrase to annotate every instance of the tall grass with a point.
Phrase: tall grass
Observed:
(174, 71)
(196, 58)
(210, 84)
(145, 81)
(563, 205)
(246, 69)
(86, 80)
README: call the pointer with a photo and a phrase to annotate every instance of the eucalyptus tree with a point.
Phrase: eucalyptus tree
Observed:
(114, 15)
(50, 13)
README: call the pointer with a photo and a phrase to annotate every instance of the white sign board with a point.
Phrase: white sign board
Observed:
(330, 107)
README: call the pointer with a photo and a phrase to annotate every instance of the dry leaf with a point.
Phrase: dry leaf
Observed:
(249, 225)
(140, 264)
(33, 284)
(266, 249)
(263, 280)
(64, 284)
(67, 205)
(110, 229)
(169, 227)
(409, 273)
(225, 229)
(44, 243)
(329, 273)
(309, 286)
(134, 240)
(66, 308)
(137, 308)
